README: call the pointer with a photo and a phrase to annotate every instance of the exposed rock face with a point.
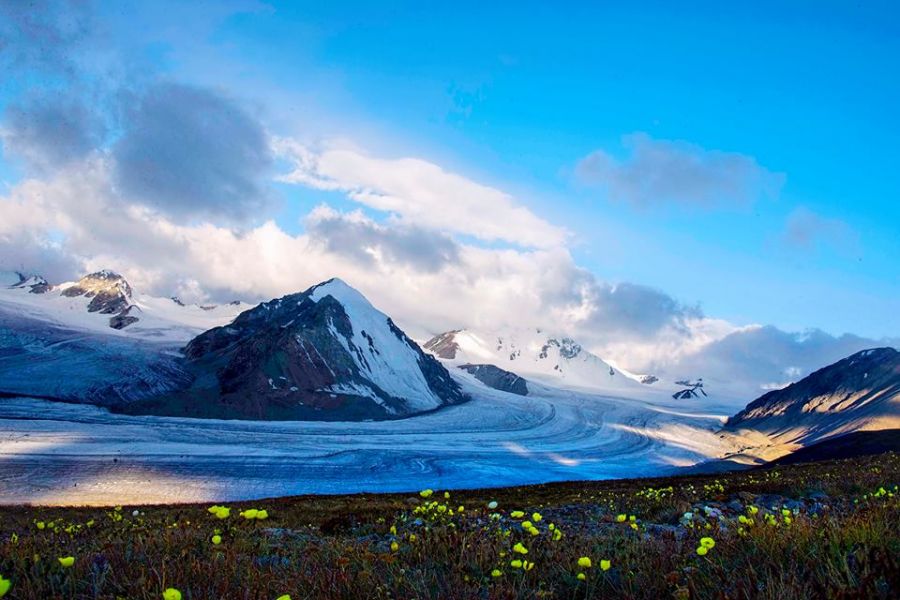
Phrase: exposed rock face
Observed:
(323, 354)
(497, 378)
(648, 379)
(692, 389)
(110, 294)
(444, 345)
(34, 283)
(861, 392)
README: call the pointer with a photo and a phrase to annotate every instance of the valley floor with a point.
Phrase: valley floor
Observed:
(54, 453)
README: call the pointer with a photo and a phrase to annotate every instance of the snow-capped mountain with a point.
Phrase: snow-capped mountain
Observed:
(95, 340)
(536, 355)
(323, 354)
(105, 302)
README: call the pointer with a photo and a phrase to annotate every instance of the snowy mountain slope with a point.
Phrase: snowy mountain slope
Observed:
(323, 354)
(41, 358)
(91, 303)
(858, 393)
(535, 354)
(58, 341)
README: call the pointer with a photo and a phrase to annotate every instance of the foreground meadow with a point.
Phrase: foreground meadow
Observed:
(821, 530)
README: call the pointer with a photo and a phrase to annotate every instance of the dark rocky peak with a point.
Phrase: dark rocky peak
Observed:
(568, 348)
(691, 389)
(325, 353)
(497, 378)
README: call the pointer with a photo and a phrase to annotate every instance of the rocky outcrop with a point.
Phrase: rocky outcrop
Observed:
(35, 284)
(444, 345)
(109, 293)
(497, 378)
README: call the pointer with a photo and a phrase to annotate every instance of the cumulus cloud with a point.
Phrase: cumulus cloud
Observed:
(421, 193)
(50, 130)
(191, 151)
(426, 279)
(359, 238)
(751, 360)
(806, 230)
(662, 172)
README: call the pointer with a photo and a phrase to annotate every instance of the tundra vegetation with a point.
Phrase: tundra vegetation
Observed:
(817, 530)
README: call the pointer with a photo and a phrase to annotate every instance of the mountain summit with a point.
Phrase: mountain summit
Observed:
(323, 354)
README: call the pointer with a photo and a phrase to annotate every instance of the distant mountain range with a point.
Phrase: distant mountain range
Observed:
(323, 354)
(536, 355)
(327, 354)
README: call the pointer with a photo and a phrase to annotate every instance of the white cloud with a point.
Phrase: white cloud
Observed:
(449, 285)
(421, 193)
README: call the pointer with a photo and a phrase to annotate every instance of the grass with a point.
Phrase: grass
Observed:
(819, 530)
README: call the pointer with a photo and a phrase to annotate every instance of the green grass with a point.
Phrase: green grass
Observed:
(843, 541)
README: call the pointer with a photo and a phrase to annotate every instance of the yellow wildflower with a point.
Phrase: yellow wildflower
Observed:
(250, 513)
(5, 584)
(496, 573)
(394, 546)
(262, 514)
(516, 564)
(517, 514)
(216, 539)
(527, 525)
(171, 594)
(584, 562)
(426, 493)
(284, 597)
(67, 561)
(621, 518)
(520, 548)
(40, 524)
(412, 537)
(581, 577)
(707, 542)
(527, 566)
(536, 517)
(605, 565)
(702, 550)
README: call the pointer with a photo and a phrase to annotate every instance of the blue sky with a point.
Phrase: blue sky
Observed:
(516, 95)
